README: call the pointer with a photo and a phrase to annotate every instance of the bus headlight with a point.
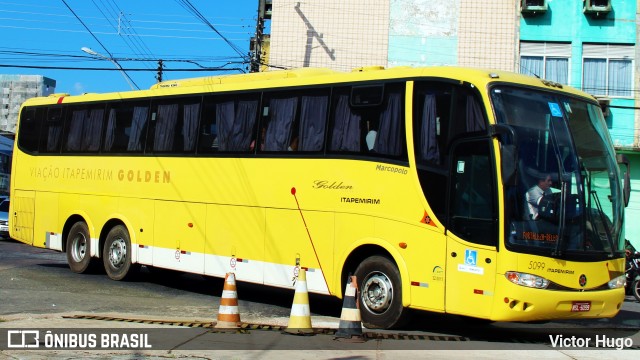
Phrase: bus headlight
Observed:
(617, 282)
(527, 280)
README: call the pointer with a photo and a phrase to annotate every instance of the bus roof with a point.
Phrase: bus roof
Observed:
(312, 76)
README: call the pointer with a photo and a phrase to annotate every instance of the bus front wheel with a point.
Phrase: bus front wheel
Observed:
(380, 293)
(116, 253)
(78, 248)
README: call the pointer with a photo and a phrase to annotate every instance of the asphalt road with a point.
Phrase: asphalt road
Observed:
(37, 290)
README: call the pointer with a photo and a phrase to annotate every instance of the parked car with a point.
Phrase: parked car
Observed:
(4, 218)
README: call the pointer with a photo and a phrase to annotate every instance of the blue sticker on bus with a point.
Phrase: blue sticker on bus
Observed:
(470, 257)
(555, 109)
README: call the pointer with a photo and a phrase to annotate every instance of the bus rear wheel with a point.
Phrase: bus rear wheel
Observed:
(380, 293)
(78, 248)
(116, 253)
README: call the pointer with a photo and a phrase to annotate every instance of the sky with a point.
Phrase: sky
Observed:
(45, 37)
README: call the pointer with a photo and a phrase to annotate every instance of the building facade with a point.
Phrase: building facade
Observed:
(15, 90)
(335, 34)
(587, 44)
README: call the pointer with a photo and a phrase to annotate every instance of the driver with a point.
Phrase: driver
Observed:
(535, 195)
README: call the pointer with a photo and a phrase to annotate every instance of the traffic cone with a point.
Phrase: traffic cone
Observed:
(228, 315)
(300, 319)
(350, 326)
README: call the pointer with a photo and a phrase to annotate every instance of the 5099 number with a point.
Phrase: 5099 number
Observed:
(536, 265)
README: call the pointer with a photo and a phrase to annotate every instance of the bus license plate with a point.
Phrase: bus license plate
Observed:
(580, 306)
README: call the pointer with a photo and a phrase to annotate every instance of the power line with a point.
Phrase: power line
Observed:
(189, 7)
(221, 68)
(101, 44)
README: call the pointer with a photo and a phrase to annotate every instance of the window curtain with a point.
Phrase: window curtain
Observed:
(346, 127)
(165, 127)
(475, 120)
(54, 132)
(190, 126)
(236, 121)
(53, 140)
(389, 137)
(109, 134)
(429, 149)
(595, 71)
(620, 78)
(137, 125)
(282, 113)
(313, 118)
(557, 70)
(92, 130)
(532, 65)
(75, 137)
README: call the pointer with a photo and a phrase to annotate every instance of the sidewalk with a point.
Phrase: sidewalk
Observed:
(206, 343)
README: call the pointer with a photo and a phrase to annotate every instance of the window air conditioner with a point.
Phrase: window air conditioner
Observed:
(604, 105)
(597, 8)
(533, 7)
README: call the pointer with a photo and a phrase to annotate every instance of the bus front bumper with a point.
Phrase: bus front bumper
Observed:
(519, 303)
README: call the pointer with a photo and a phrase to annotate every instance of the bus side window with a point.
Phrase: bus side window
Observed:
(83, 129)
(386, 135)
(208, 133)
(236, 120)
(279, 118)
(433, 104)
(173, 126)
(31, 121)
(51, 138)
(313, 120)
(126, 127)
(345, 125)
(163, 123)
(473, 211)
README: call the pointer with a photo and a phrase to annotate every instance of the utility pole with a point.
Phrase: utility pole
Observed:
(264, 13)
(160, 67)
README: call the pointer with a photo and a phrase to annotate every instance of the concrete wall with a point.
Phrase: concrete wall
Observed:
(423, 32)
(454, 32)
(489, 34)
(336, 34)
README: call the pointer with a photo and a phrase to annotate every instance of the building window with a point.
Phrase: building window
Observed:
(608, 70)
(548, 61)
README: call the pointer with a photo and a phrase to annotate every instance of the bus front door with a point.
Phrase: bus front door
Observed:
(472, 230)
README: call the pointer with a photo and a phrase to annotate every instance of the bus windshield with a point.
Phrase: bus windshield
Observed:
(567, 199)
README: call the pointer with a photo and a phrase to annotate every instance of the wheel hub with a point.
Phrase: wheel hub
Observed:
(79, 248)
(118, 252)
(377, 292)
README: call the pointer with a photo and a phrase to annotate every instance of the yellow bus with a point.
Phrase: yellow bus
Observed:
(479, 193)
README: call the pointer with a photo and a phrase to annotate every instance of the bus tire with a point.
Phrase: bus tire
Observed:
(78, 248)
(116, 254)
(380, 293)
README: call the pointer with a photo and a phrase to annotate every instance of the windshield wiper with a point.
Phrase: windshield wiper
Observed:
(603, 220)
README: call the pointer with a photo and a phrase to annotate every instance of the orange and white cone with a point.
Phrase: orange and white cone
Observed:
(350, 326)
(228, 315)
(300, 319)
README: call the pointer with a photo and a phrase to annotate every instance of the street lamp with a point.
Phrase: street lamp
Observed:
(97, 54)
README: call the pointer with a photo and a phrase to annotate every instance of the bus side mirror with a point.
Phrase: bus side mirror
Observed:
(626, 185)
(508, 152)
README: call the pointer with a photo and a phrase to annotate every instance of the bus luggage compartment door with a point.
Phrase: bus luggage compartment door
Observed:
(21, 217)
